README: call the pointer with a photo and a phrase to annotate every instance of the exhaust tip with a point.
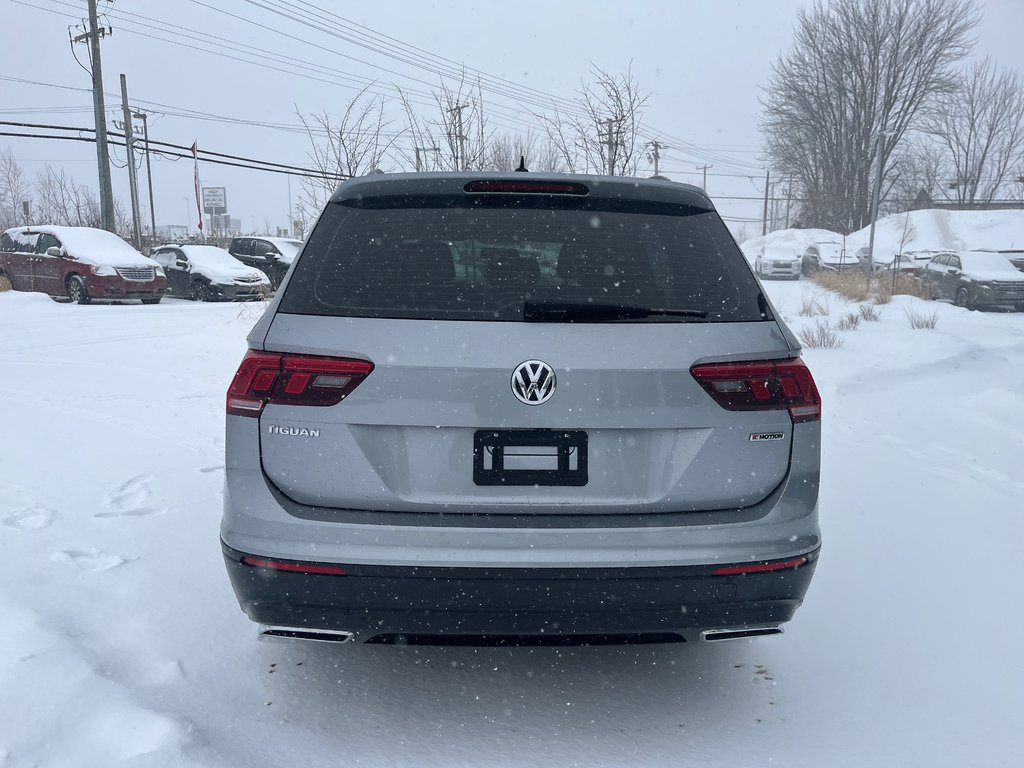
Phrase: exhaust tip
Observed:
(714, 635)
(304, 633)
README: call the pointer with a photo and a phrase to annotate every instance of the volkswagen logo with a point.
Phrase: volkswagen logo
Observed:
(533, 382)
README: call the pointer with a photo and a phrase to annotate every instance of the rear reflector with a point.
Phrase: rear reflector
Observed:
(777, 565)
(282, 565)
(528, 187)
(762, 386)
(286, 379)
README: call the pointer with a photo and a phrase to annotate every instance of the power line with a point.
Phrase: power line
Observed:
(208, 156)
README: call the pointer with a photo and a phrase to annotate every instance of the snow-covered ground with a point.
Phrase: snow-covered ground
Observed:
(121, 643)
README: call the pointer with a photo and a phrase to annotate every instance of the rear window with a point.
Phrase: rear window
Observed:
(460, 261)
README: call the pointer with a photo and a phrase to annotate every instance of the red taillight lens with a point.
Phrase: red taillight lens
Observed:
(284, 565)
(528, 187)
(762, 386)
(777, 565)
(285, 379)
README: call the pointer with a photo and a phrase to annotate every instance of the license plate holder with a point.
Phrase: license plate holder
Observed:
(548, 457)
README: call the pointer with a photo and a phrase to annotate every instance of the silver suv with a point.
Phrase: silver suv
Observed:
(521, 408)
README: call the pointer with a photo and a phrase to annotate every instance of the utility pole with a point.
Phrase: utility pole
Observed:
(764, 215)
(460, 135)
(149, 171)
(93, 36)
(705, 169)
(874, 208)
(419, 163)
(133, 181)
(789, 201)
(610, 138)
(291, 229)
(656, 155)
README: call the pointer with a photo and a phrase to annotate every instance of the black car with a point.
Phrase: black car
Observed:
(206, 273)
(975, 279)
(272, 255)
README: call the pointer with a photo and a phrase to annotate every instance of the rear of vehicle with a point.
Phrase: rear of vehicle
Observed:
(779, 263)
(520, 407)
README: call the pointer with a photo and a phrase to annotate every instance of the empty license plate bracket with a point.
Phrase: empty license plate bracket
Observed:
(530, 457)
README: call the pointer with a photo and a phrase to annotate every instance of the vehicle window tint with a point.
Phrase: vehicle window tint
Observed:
(263, 248)
(242, 246)
(954, 261)
(46, 241)
(22, 242)
(482, 264)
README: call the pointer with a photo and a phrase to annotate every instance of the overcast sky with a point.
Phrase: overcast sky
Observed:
(703, 63)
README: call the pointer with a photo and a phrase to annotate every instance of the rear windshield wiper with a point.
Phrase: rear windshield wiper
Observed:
(561, 311)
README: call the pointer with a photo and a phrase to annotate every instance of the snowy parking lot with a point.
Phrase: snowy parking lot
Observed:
(122, 643)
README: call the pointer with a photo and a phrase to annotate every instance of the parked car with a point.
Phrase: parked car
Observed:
(537, 408)
(910, 262)
(1016, 257)
(827, 255)
(272, 255)
(206, 273)
(975, 279)
(777, 261)
(80, 263)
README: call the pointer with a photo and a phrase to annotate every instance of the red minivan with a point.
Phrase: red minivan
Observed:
(80, 263)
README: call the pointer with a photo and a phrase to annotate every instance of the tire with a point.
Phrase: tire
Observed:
(963, 298)
(154, 300)
(76, 291)
(200, 291)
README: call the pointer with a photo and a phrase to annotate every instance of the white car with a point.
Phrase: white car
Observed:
(777, 261)
(207, 273)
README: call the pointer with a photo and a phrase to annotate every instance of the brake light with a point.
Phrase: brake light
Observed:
(286, 379)
(528, 187)
(777, 565)
(762, 386)
(284, 565)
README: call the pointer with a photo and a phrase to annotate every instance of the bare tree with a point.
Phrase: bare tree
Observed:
(59, 200)
(981, 125)
(352, 145)
(858, 78)
(602, 133)
(918, 170)
(14, 191)
(456, 137)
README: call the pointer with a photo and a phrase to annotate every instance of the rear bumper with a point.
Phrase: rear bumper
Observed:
(375, 602)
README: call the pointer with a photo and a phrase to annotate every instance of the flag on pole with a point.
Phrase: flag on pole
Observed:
(199, 204)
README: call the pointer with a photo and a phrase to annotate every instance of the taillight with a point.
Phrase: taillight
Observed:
(527, 187)
(774, 565)
(286, 379)
(293, 567)
(762, 386)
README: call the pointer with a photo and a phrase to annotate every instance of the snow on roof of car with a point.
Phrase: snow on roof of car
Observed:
(209, 254)
(990, 263)
(87, 241)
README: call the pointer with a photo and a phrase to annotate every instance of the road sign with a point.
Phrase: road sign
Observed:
(215, 200)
